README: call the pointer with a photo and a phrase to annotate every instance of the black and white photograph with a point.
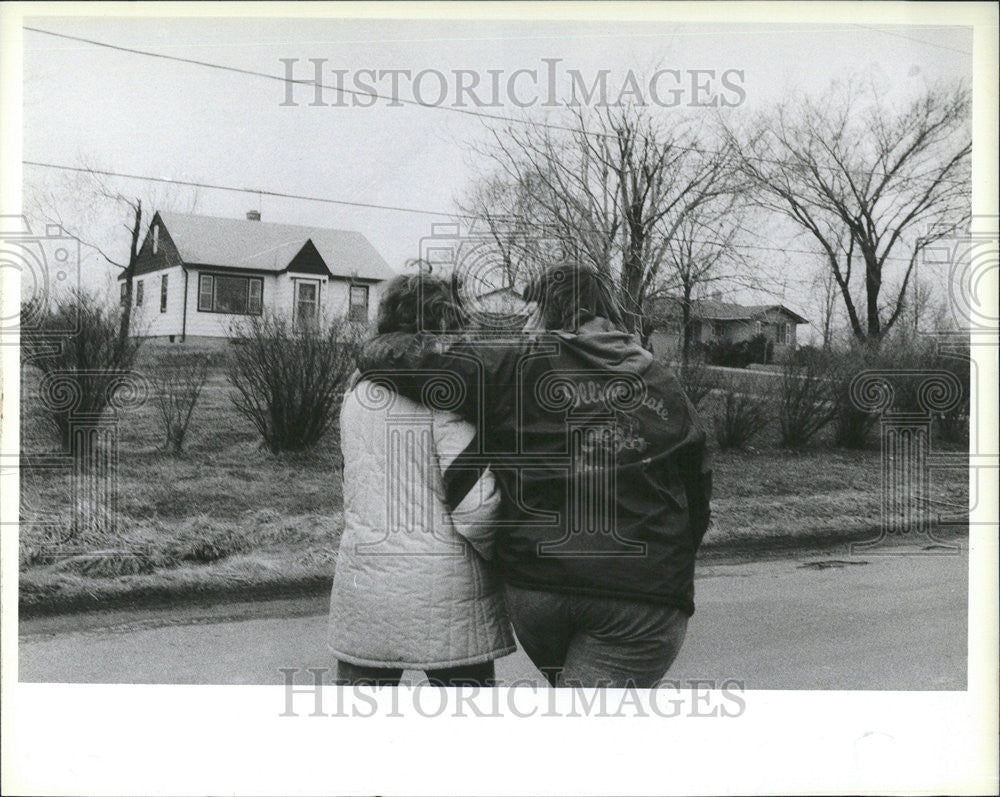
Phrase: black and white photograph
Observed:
(501, 398)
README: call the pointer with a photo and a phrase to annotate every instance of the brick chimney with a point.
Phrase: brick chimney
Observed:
(253, 215)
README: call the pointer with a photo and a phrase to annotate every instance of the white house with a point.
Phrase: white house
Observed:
(198, 275)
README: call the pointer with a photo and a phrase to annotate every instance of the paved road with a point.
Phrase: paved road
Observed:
(881, 622)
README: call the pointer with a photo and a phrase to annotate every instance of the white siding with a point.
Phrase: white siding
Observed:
(147, 320)
(337, 299)
(278, 297)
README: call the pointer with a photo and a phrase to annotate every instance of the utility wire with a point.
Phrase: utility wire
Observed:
(369, 205)
(258, 191)
(240, 71)
(912, 39)
(395, 99)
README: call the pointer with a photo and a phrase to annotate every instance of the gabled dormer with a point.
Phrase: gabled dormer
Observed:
(158, 250)
(308, 261)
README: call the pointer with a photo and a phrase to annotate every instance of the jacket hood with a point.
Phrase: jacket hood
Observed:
(601, 344)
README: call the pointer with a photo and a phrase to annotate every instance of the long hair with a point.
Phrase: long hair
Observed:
(571, 295)
(421, 303)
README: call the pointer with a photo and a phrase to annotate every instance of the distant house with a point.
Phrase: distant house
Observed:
(715, 321)
(197, 275)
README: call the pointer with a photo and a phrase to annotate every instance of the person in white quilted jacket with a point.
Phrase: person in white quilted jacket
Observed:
(415, 585)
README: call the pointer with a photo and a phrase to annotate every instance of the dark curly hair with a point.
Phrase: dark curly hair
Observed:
(421, 303)
(569, 295)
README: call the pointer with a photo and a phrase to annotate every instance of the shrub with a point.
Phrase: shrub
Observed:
(178, 381)
(289, 379)
(695, 381)
(906, 362)
(805, 405)
(84, 360)
(806, 354)
(851, 425)
(743, 416)
(923, 355)
(953, 425)
(739, 355)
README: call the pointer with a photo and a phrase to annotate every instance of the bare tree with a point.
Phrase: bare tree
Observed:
(504, 211)
(824, 290)
(71, 205)
(703, 251)
(178, 381)
(662, 184)
(872, 185)
(615, 189)
(83, 374)
(569, 199)
(919, 302)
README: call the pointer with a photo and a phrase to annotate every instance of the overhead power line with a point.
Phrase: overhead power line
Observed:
(282, 79)
(417, 103)
(220, 187)
(367, 205)
(912, 39)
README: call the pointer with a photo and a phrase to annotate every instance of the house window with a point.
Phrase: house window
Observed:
(783, 334)
(255, 301)
(156, 238)
(138, 294)
(718, 330)
(306, 303)
(205, 293)
(124, 293)
(218, 293)
(163, 293)
(358, 309)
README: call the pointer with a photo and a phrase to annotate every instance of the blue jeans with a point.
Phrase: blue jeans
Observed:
(579, 640)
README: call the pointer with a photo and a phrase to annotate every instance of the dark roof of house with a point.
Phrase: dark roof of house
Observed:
(716, 310)
(757, 310)
(266, 246)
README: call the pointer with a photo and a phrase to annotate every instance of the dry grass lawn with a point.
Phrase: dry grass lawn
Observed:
(227, 514)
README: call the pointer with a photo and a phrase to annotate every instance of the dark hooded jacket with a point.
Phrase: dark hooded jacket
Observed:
(600, 457)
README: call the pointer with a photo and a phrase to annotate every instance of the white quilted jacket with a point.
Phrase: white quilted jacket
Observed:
(410, 589)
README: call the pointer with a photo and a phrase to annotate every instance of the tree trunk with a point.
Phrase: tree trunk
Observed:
(828, 326)
(126, 310)
(873, 286)
(632, 277)
(686, 326)
(125, 325)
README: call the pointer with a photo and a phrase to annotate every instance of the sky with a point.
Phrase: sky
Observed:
(135, 114)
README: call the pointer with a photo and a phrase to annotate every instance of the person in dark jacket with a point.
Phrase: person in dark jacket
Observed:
(602, 466)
